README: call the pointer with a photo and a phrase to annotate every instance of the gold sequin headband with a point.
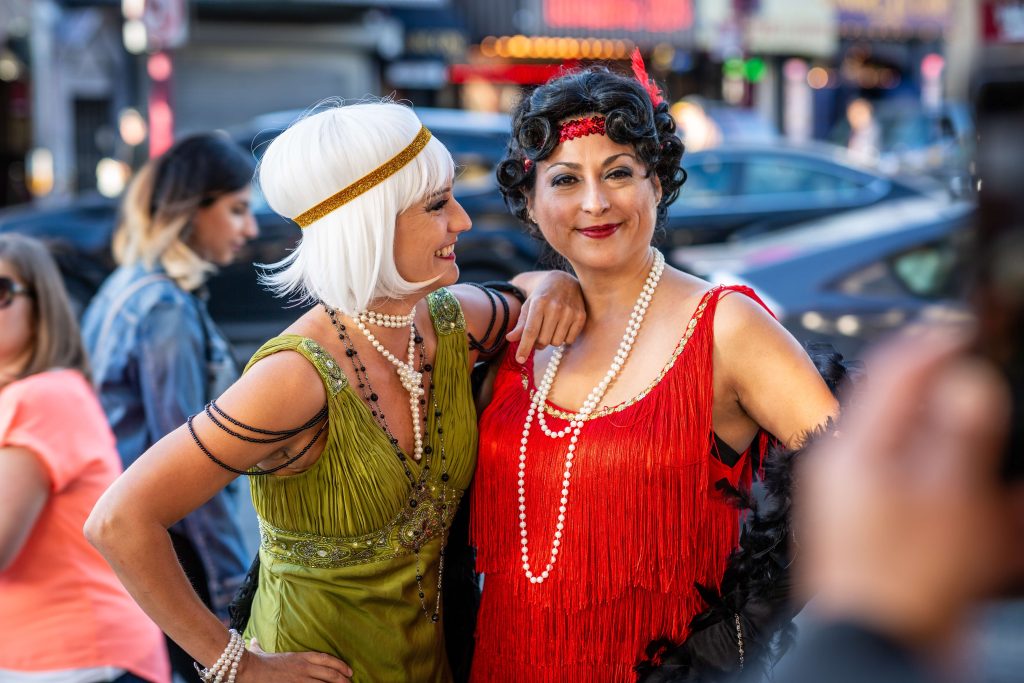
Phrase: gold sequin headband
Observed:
(367, 182)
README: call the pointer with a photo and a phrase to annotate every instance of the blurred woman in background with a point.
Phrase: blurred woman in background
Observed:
(64, 616)
(156, 353)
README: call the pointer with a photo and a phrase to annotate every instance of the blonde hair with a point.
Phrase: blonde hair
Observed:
(56, 342)
(346, 259)
(161, 201)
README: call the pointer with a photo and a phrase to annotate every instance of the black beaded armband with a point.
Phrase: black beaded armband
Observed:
(274, 437)
(508, 288)
(478, 345)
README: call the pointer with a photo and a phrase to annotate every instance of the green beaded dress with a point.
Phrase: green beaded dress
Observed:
(338, 541)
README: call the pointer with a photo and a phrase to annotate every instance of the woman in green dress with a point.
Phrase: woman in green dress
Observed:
(356, 425)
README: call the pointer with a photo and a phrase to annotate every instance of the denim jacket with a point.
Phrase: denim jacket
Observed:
(157, 357)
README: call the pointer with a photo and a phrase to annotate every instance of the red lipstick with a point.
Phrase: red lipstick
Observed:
(599, 232)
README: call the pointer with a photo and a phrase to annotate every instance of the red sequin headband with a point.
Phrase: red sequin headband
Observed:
(578, 128)
(575, 128)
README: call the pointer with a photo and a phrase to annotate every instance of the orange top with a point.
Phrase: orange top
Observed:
(61, 606)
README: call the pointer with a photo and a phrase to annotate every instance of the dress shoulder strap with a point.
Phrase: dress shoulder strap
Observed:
(446, 313)
(704, 316)
(724, 290)
(330, 372)
(699, 333)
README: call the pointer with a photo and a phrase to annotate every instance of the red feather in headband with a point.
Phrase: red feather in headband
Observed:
(640, 71)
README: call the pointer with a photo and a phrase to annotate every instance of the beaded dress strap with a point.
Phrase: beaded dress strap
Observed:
(334, 379)
(330, 372)
(446, 313)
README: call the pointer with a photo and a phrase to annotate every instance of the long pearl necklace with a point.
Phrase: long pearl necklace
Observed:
(410, 377)
(576, 420)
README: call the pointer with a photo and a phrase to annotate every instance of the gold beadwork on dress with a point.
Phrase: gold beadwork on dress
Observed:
(406, 533)
(608, 410)
(446, 312)
(327, 366)
(367, 182)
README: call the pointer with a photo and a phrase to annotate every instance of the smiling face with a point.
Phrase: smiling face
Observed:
(221, 229)
(425, 236)
(595, 203)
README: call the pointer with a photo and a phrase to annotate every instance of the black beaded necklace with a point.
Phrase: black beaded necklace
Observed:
(417, 485)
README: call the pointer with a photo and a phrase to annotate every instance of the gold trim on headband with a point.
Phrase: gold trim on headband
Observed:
(367, 182)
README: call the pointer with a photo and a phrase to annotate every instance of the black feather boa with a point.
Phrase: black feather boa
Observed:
(756, 584)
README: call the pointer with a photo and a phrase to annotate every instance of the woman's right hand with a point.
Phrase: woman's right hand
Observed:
(257, 666)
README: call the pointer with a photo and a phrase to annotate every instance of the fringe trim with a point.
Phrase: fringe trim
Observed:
(644, 525)
(756, 583)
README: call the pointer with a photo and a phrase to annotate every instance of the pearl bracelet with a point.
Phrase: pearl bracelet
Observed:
(226, 664)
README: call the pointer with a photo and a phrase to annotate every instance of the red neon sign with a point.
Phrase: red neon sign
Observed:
(523, 74)
(654, 16)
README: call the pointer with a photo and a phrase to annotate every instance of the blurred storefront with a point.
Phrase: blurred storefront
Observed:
(90, 88)
(1002, 21)
(15, 105)
(435, 38)
(114, 81)
(276, 56)
(763, 53)
(516, 43)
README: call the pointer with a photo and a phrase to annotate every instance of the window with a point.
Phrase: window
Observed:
(709, 177)
(874, 280)
(929, 272)
(780, 175)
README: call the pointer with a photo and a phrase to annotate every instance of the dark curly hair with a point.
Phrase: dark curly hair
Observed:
(630, 119)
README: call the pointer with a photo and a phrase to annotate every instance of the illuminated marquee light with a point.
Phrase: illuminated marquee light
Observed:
(543, 47)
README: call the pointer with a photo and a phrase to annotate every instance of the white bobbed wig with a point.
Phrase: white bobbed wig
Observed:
(346, 259)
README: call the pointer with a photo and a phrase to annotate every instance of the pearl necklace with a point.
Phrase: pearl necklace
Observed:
(576, 420)
(386, 320)
(411, 378)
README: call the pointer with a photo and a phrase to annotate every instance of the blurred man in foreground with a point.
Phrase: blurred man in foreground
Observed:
(916, 513)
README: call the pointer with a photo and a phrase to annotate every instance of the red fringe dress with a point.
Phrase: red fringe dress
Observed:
(642, 524)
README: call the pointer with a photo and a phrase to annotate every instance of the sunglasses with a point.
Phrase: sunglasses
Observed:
(10, 289)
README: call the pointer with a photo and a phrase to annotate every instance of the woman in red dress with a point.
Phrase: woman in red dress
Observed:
(595, 508)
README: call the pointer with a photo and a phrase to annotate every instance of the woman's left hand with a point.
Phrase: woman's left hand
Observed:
(553, 315)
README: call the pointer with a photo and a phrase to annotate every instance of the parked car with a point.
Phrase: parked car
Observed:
(735, 192)
(853, 278)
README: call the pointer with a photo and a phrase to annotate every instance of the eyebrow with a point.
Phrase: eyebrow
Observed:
(439, 193)
(604, 163)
